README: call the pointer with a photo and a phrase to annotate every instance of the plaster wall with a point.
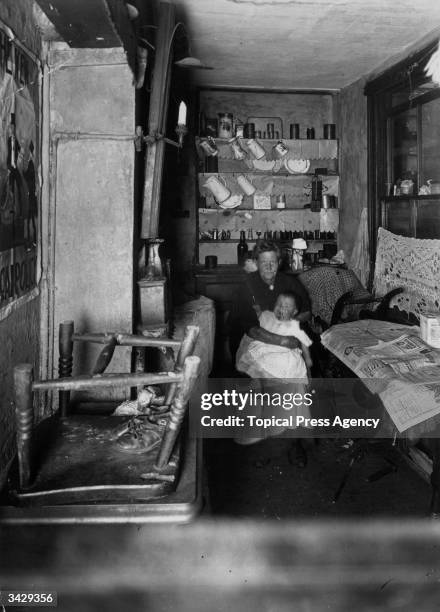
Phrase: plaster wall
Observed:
(19, 332)
(353, 162)
(92, 125)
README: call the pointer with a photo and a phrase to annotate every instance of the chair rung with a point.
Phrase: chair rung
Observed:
(106, 380)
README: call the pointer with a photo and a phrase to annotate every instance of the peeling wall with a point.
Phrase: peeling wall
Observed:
(92, 125)
(19, 332)
(353, 162)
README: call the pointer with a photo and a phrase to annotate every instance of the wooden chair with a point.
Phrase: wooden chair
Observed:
(75, 459)
(111, 340)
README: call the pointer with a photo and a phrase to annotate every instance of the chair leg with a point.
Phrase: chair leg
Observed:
(23, 377)
(178, 410)
(65, 362)
(186, 349)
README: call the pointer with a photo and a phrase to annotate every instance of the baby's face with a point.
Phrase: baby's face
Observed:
(285, 308)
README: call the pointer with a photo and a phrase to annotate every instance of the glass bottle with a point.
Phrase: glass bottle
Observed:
(242, 248)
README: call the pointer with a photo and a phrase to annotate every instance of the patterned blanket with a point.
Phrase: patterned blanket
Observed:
(413, 264)
(326, 284)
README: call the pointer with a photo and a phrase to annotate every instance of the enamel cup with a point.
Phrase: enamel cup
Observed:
(246, 185)
(255, 148)
(217, 188)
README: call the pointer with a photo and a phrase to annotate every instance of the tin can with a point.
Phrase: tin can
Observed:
(329, 131)
(280, 149)
(209, 147)
(225, 125)
(294, 131)
(249, 130)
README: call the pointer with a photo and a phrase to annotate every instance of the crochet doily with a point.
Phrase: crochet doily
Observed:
(413, 264)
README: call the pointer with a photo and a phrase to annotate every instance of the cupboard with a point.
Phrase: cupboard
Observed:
(404, 139)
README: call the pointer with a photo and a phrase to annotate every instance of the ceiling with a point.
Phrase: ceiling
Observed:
(301, 44)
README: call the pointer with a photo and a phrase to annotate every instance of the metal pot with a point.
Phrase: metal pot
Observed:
(328, 201)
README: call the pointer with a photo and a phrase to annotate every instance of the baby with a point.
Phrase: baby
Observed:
(261, 360)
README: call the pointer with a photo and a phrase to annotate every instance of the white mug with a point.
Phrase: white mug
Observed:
(246, 185)
(218, 189)
(255, 148)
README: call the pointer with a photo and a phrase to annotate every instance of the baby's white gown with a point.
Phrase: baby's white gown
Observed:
(261, 360)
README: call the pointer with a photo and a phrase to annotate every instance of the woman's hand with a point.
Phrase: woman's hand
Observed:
(258, 333)
(290, 342)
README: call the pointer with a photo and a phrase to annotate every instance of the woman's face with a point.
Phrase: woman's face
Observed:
(268, 266)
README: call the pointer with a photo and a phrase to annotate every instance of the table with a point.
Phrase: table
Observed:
(404, 371)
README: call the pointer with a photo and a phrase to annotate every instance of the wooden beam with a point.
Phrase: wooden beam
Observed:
(155, 153)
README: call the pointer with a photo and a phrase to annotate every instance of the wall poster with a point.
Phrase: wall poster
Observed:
(19, 170)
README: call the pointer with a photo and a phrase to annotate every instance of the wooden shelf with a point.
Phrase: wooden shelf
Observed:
(268, 173)
(313, 149)
(257, 210)
(273, 141)
(252, 240)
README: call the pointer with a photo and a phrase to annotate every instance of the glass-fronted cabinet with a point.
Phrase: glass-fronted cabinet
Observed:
(404, 150)
(404, 164)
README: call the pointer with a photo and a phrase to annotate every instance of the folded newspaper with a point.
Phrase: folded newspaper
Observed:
(409, 368)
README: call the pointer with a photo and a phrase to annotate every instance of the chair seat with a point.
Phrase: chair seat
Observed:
(78, 460)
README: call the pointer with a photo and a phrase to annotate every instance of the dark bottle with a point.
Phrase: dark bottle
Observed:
(242, 248)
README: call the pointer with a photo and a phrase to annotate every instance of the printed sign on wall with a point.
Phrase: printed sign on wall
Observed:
(19, 164)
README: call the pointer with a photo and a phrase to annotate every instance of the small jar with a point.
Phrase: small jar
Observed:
(281, 201)
(225, 125)
(239, 130)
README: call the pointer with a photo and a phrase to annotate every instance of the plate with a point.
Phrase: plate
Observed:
(232, 202)
(264, 165)
(297, 166)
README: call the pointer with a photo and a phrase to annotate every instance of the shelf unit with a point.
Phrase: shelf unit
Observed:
(321, 153)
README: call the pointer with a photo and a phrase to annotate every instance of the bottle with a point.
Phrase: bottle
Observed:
(242, 248)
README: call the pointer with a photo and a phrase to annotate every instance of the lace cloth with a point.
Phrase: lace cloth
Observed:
(359, 260)
(411, 263)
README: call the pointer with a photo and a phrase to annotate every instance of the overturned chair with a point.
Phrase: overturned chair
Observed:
(79, 458)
